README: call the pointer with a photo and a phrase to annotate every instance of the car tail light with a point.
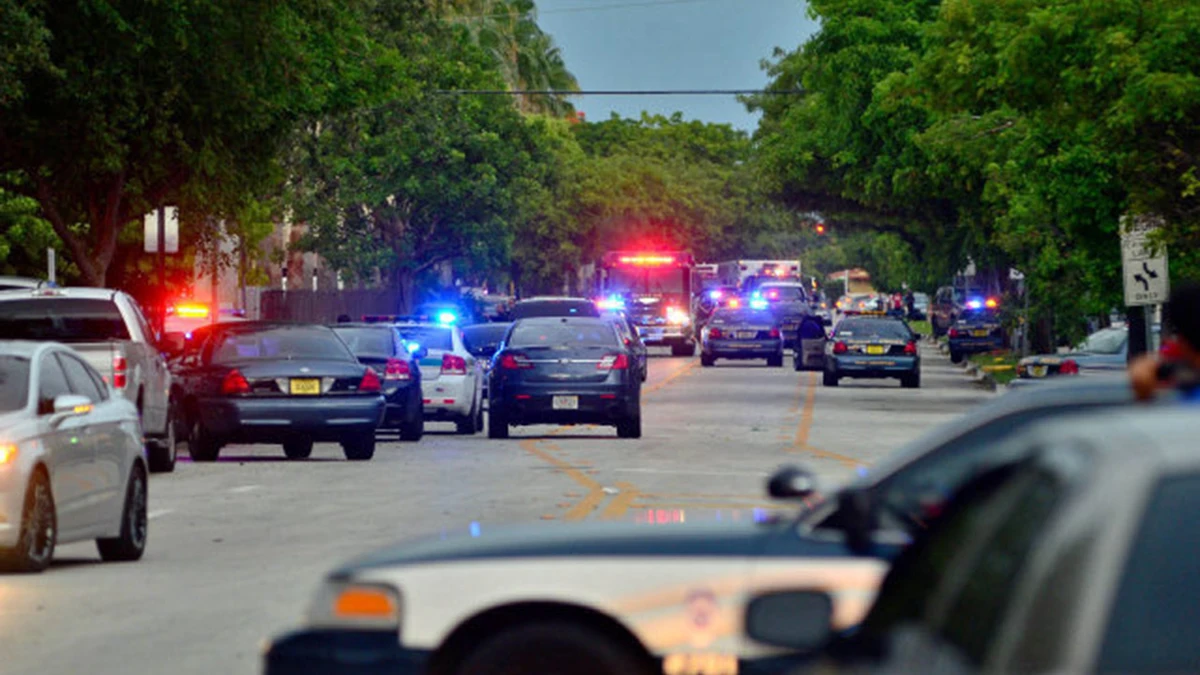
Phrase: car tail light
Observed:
(120, 372)
(1069, 367)
(774, 333)
(453, 364)
(613, 362)
(840, 348)
(515, 362)
(397, 369)
(910, 349)
(954, 332)
(235, 383)
(370, 382)
(714, 333)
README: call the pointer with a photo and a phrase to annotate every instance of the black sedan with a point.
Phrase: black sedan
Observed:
(266, 382)
(627, 330)
(742, 333)
(564, 371)
(381, 347)
(873, 347)
(977, 329)
(483, 341)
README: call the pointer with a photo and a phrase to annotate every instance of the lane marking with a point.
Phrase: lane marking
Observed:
(158, 513)
(671, 378)
(800, 444)
(595, 493)
(243, 489)
(685, 472)
(709, 505)
(620, 504)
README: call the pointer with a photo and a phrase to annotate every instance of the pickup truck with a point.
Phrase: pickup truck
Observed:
(109, 331)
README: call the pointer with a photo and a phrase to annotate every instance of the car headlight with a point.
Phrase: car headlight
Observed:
(676, 315)
(348, 604)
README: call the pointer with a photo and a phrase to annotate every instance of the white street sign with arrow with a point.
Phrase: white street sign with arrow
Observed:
(1144, 270)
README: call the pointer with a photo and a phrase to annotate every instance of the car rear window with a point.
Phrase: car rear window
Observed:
(14, 382)
(62, 320)
(280, 343)
(739, 316)
(782, 293)
(564, 333)
(429, 337)
(372, 341)
(484, 334)
(978, 315)
(867, 329)
(532, 309)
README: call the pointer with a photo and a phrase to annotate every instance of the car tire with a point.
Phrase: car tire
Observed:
(413, 429)
(707, 361)
(497, 423)
(829, 379)
(359, 447)
(161, 453)
(298, 448)
(912, 381)
(465, 426)
(39, 530)
(956, 356)
(131, 543)
(775, 361)
(683, 350)
(797, 363)
(479, 416)
(557, 647)
(202, 445)
(630, 427)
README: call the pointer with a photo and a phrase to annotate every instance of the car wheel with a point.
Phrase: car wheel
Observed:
(466, 425)
(359, 447)
(413, 429)
(956, 356)
(497, 423)
(630, 427)
(829, 379)
(202, 445)
(298, 448)
(478, 416)
(775, 361)
(707, 361)
(912, 381)
(683, 350)
(553, 648)
(131, 544)
(161, 453)
(39, 530)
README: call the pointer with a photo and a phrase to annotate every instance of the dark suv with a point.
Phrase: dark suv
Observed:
(948, 303)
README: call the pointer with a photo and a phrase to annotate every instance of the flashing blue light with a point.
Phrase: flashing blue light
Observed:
(474, 529)
(610, 303)
(716, 295)
(758, 303)
(446, 317)
(413, 347)
(974, 304)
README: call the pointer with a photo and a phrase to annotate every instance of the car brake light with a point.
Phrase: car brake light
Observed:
(397, 369)
(515, 362)
(613, 362)
(774, 332)
(840, 348)
(370, 382)
(235, 383)
(910, 349)
(120, 367)
(954, 332)
(453, 364)
(714, 333)
(1069, 367)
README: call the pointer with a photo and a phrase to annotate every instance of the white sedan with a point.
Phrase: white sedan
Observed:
(72, 466)
(451, 377)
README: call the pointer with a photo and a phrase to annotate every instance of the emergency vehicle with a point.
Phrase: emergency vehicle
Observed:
(749, 274)
(655, 289)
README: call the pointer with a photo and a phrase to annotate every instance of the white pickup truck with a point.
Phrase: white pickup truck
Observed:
(109, 331)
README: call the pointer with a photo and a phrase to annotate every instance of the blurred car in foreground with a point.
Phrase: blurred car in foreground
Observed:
(451, 376)
(1036, 568)
(618, 599)
(564, 371)
(740, 334)
(381, 347)
(976, 330)
(71, 464)
(271, 382)
(873, 348)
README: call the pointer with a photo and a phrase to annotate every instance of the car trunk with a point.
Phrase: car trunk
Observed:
(565, 364)
(298, 378)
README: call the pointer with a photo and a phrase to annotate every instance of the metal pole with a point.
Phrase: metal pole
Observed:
(52, 266)
(1139, 329)
(162, 266)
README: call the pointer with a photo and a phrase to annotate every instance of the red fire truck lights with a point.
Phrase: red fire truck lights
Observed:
(647, 259)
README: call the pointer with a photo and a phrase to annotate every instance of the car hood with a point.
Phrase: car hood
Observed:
(600, 541)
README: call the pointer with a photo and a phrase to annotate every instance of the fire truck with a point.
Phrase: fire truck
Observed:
(655, 289)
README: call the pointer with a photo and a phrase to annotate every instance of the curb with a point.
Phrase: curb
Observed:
(981, 376)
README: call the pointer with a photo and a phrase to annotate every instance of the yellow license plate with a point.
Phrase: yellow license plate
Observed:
(1038, 371)
(305, 387)
(980, 333)
(876, 349)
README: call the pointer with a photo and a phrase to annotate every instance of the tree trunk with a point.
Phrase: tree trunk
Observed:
(405, 280)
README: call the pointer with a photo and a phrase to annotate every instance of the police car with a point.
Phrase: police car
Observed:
(618, 599)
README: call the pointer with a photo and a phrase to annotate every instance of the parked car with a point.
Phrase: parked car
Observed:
(451, 376)
(948, 303)
(108, 330)
(976, 330)
(71, 464)
(381, 347)
(278, 383)
(873, 347)
(1105, 351)
(28, 283)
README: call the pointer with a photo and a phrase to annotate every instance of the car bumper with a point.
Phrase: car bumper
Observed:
(344, 652)
(974, 345)
(447, 397)
(743, 349)
(598, 404)
(322, 418)
(13, 483)
(659, 336)
(874, 366)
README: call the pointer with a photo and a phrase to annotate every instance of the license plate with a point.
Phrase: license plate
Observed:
(305, 387)
(1038, 371)
(565, 403)
(741, 345)
(980, 333)
(747, 334)
(791, 326)
(876, 349)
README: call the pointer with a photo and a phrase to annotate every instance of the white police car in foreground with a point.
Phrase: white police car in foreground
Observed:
(619, 600)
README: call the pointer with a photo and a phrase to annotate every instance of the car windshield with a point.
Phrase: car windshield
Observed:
(290, 343)
(1107, 341)
(430, 337)
(744, 316)
(868, 329)
(14, 382)
(782, 292)
(368, 341)
(528, 334)
(62, 320)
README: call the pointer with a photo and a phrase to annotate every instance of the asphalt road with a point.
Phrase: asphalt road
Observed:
(237, 547)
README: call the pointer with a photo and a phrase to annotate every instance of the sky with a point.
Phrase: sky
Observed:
(672, 44)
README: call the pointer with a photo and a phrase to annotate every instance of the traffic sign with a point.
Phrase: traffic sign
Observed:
(1145, 272)
(170, 230)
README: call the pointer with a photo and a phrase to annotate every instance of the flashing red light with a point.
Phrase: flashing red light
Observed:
(120, 367)
(714, 333)
(191, 310)
(397, 369)
(453, 364)
(910, 349)
(820, 228)
(840, 348)
(1069, 367)
(647, 259)
(515, 362)
(735, 303)
(613, 362)
(370, 382)
(992, 303)
(774, 333)
(774, 295)
(235, 383)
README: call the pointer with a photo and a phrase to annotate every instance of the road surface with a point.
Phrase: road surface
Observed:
(237, 547)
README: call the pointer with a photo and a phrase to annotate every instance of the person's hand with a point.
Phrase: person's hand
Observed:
(1143, 376)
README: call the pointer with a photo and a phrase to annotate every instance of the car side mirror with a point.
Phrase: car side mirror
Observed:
(791, 482)
(68, 405)
(796, 620)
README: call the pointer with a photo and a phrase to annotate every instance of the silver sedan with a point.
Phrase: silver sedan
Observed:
(71, 460)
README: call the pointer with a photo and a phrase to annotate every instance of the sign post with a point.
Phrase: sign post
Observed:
(1145, 275)
(160, 236)
(52, 267)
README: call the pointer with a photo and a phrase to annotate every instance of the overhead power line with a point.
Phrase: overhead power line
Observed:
(619, 92)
